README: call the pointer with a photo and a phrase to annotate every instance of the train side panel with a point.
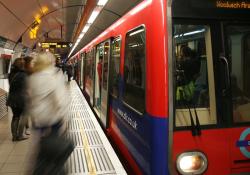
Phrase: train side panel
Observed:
(144, 137)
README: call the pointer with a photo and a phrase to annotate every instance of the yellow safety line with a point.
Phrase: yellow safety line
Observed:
(89, 157)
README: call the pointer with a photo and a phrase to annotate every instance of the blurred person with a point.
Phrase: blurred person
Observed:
(17, 96)
(69, 72)
(48, 109)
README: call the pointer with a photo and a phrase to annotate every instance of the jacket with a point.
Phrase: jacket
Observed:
(47, 98)
(17, 91)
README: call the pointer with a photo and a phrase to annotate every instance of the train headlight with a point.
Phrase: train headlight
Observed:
(191, 163)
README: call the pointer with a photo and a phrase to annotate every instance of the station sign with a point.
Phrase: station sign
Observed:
(56, 45)
(243, 143)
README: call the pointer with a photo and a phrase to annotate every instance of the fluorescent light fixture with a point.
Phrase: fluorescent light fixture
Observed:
(93, 16)
(135, 45)
(135, 32)
(190, 33)
(140, 7)
(85, 29)
(177, 36)
(102, 2)
(72, 50)
(91, 19)
(194, 32)
(81, 35)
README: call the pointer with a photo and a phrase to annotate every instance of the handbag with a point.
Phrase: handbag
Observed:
(53, 153)
(56, 147)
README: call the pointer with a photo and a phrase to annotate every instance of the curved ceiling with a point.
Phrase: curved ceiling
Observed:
(58, 19)
(111, 12)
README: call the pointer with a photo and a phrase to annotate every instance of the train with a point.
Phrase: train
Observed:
(169, 83)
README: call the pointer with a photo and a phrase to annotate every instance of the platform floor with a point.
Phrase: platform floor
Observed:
(93, 154)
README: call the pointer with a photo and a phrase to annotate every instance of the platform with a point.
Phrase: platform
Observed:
(93, 154)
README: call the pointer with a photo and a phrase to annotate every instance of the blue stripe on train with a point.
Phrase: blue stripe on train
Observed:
(146, 138)
(159, 146)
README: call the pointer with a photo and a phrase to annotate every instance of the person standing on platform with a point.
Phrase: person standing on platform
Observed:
(17, 97)
(24, 122)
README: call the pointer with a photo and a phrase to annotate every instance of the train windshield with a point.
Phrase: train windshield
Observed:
(192, 49)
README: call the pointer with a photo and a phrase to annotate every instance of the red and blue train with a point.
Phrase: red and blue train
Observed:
(169, 82)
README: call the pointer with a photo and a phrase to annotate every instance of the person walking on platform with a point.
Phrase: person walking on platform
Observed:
(17, 97)
(47, 106)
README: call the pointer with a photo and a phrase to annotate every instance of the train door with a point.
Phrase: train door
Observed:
(89, 76)
(98, 79)
(105, 83)
(82, 72)
(237, 91)
(101, 81)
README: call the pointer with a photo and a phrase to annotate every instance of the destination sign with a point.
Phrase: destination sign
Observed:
(56, 45)
(226, 4)
(233, 4)
(221, 9)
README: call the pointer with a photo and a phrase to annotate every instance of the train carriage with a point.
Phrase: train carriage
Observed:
(169, 83)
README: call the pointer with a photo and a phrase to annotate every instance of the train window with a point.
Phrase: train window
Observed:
(134, 69)
(115, 66)
(194, 75)
(82, 70)
(239, 54)
(98, 78)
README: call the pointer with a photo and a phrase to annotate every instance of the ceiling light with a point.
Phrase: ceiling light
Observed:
(140, 7)
(85, 29)
(190, 33)
(81, 35)
(194, 32)
(93, 16)
(102, 2)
